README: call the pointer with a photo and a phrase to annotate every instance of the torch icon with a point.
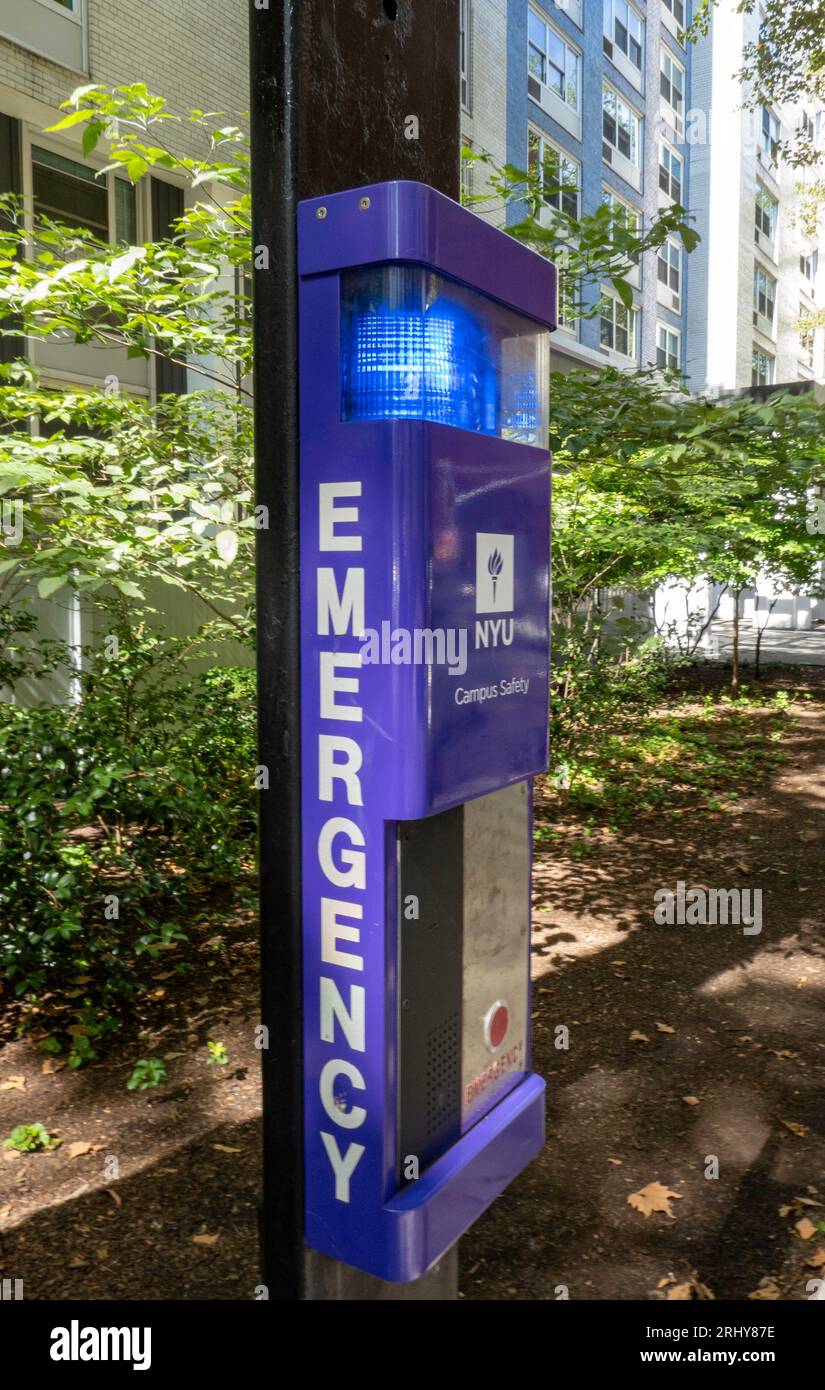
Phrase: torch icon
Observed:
(495, 565)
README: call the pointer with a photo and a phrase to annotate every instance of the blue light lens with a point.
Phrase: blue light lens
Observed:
(418, 346)
(419, 366)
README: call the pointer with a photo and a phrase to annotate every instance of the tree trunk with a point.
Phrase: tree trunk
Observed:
(757, 669)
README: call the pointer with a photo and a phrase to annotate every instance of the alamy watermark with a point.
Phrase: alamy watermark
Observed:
(420, 646)
(709, 907)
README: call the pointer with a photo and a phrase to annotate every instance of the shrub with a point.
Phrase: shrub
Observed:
(117, 814)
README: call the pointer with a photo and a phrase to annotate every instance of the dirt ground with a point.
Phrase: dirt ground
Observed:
(692, 1050)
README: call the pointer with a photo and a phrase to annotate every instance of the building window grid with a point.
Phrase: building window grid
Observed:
(808, 265)
(567, 294)
(672, 86)
(561, 174)
(762, 368)
(552, 61)
(669, 266)
(617, 326)
(668, 346)
(621, 127)
(465, 22)
(766, 212)
(624, 27)
(769, 135)
(677, 9)
(68, 191)
(764, 294)
(671, 173)
(806, 336)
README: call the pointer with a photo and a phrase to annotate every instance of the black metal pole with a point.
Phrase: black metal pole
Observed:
(344, 93)
(275, 95)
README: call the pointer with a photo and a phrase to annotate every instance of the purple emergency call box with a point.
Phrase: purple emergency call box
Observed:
(425, 536)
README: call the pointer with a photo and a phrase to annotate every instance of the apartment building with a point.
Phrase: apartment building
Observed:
(597, 94)
(755, 275)
(192, 52)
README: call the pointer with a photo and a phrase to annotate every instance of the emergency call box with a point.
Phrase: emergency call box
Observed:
(425, 534)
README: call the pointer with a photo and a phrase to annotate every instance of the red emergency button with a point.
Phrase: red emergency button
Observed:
(496, 1023)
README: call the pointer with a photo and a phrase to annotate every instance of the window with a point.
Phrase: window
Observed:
(672, 87)
(806, 336)
(125, 212)
(552, 61)
(764, 293)
(568, 293)
(572, 8)
(69, 192)
(766, 213)
(466, 173)
(464, 41)
(625, 28)
(808, 265)
(806, 126)
(621, 126)
(677, 9)
(669, 268)
(560, 174)
(671, 172)
(626, 216)
(769, 135)
(667, 346)
(72, 193)
(762, 366)
(630, 217)
(617, 326)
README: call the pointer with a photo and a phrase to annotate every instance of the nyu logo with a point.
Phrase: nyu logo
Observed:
(495, 587)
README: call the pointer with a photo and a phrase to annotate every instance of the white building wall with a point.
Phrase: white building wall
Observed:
(484, 115)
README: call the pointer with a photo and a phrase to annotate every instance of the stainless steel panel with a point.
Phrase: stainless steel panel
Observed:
(496, 950)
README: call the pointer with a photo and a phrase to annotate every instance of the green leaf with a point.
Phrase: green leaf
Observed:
(91, 135)
(71, 120)
(624, 291)
(51, 583)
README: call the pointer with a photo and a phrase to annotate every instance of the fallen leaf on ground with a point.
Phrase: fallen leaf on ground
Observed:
(636, 1036)
(805, 1227)
(204, 1240)
(785, 1210)
(617, 1162)
(51, 1065)
(654, 1197)
(768, 1288)
(13, 1083)
(4, 1211)
(691, 1100)
(79, 1148)
(225, 1149)
(115, 1196)
(795, 1128)
(680, 1292)
(665, 1028)
(816, 1261)
(782, 1053)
